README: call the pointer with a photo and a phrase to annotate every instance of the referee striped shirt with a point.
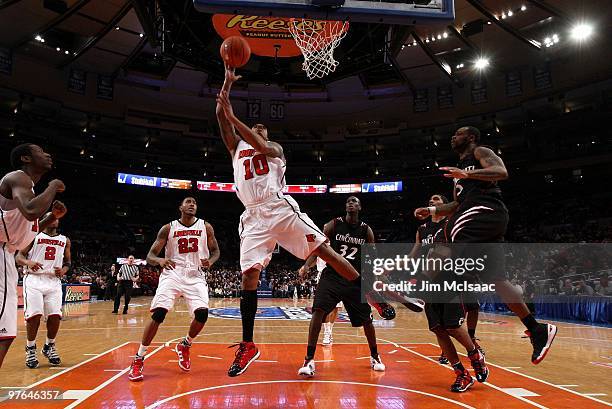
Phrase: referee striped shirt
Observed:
(128, 272)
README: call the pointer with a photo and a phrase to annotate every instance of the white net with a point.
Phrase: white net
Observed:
(318, 39)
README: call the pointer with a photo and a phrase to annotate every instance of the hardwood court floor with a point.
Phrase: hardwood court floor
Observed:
(96, 347)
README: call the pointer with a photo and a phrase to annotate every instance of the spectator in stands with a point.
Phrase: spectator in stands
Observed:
(111, 284)
(603, 287)
(567, 288)
(584, 288)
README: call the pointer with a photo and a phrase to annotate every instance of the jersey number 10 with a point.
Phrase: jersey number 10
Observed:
(260, 163)
(188, 245)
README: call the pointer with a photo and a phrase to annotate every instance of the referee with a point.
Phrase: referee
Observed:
(128, 273)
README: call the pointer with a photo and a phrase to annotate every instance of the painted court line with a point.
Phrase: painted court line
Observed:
(161, 402)
(77, 365)
(108, 382)
(209, 357)
(488, 384)
(543, 381)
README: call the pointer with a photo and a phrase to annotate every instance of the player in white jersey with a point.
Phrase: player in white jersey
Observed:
(20, 210)
(46, 260)
(269, 218)
(190, 249)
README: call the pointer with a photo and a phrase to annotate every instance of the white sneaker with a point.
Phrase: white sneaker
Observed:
(328, 338)
(377, 364)
(308, 370)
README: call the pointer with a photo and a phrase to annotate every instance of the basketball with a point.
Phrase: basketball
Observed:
(235, 51)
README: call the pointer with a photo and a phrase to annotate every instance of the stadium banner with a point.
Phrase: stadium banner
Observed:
(420, 103)
(346, 188)
(76, 292)
(153, 181)
(445, 97)
(77, 81)
(514, 84)
(105, 87)
(542, 77)
(6, 61)
(456, 272)
(479, 91)
(377, 187)
(230, 187)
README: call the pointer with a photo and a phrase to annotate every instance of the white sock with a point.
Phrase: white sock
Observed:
(142, 350)
(50, 341)
(31, 343)
(188, 339)
(326, 327)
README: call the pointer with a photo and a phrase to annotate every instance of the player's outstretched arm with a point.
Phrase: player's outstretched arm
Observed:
(445, 209)
(213, 247)
(228, 133)
(58, 210)
(268, 148)
(153, 256)
(493, 168)
(32, 207)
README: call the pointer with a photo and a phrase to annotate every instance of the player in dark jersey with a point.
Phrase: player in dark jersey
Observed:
(478, 215)
(346, 234)
(446, 317)
(422, 243)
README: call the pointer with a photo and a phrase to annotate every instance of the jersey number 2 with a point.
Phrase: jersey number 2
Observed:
(188, 246)
(50, 253)
(260, 163)
(351, 255)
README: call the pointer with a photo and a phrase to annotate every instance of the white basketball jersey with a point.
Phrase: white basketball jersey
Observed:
(187, 245)
(48, 251)
(15, 230)
(257, 177)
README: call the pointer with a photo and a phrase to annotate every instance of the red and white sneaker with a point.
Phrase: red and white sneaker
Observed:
(247, 352)
(463, 382)
(135, 373)
(182, 351)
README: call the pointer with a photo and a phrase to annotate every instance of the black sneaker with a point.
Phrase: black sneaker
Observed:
(443, 359)
(50, 352)
(31, 359)
(541, 339)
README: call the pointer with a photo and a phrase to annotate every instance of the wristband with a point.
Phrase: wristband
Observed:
(432, 210)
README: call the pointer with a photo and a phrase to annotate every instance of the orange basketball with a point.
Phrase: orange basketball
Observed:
(235, 51)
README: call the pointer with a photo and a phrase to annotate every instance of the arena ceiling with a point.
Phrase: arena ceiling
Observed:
(128, 38)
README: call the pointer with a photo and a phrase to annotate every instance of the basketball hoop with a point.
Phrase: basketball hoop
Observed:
(317, 39)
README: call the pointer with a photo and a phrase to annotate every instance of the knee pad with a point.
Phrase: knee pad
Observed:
(159, 315)
(201, 315)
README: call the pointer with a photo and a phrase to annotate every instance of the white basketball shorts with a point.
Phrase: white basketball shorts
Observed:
(8, 294)
(278, 220)
(42, 295)
(191, 285)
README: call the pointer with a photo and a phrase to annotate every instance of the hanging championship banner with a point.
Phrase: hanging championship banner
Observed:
(542, 77)
(445, 97)
(254, 109)
(479, 91)
(77, 81)
(421, 101)
(6, 61)
(514, 84)
(105, 87)
(277, 110)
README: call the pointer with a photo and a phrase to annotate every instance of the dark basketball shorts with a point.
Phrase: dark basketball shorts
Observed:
(332, 289)
(476, 230)
(449, 315)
